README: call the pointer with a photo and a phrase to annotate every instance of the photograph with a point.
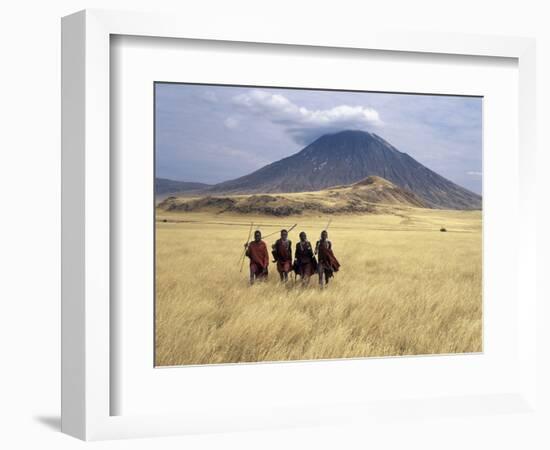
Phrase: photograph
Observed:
(302, 224)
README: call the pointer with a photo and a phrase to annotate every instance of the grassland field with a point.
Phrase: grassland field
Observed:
(404, 288)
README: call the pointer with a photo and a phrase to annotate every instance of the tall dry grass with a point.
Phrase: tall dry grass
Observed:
(405, 288)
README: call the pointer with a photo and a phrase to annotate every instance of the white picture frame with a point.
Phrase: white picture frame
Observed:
(86, 221)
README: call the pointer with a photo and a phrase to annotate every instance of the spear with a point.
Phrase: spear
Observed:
(275, 232)
(324, 229)
(292, 227)
(247, 241)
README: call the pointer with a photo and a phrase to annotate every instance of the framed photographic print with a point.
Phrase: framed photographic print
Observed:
(353, 248)
(246, 208)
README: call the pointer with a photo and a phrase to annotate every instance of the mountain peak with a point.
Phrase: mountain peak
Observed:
(347, 134)
(352, 156)
(351, 132)
(350, 140)
(340, 144)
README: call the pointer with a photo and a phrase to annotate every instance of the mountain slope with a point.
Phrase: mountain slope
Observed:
(375, 189)
(372, 195)
(166, 186)
(346, 157)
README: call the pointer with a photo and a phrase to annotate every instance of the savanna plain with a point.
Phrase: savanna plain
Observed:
(404, 288)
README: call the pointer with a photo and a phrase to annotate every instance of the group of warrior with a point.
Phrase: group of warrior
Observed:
(307, 261)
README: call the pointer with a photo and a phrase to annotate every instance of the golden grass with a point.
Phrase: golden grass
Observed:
(405, 288)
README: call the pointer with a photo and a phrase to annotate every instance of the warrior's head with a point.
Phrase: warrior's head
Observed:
(324, 235)
(284, 235)
(303, 236)
(257, 235)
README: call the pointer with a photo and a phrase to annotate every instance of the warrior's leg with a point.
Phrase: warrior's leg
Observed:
(321, 273)
(251, 276)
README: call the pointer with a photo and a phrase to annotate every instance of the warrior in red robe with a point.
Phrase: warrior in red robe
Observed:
(259, 258)
(305, 263)
(328, 264)
(282, 255)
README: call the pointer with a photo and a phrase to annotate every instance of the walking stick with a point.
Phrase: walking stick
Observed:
(247, 241)
(275, 232)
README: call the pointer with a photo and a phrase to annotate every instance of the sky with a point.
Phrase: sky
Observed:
(209, 134)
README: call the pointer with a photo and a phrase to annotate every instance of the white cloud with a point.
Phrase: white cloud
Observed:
(474, 173)
(305, 124)
(231, 122)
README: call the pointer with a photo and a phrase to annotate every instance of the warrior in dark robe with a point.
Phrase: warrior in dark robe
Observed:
(259, 258)
(328, 264)
(282, 255)
(305, 263)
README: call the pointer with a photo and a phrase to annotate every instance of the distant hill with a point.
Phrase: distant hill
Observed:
(345, 158)
(373, 194)
(164, 186)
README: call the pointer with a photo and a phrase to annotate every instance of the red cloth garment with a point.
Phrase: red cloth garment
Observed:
(259, 258)
(283, 253)
(306, 269)
(326, 256)
(305, 260)
(258, 271)
(284, 266)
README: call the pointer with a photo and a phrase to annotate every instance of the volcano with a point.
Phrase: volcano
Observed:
(345, 158)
